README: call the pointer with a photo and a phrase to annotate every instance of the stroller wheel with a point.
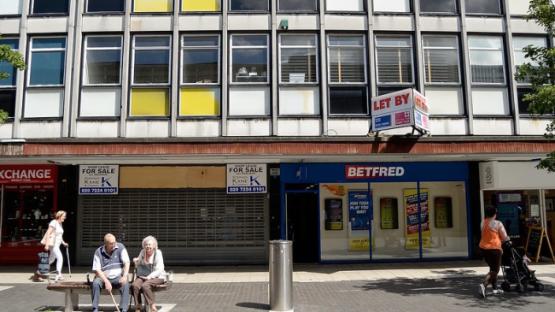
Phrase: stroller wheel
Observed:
(538, 287)
(506, 286)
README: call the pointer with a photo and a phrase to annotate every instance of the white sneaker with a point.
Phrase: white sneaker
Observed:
(498, 291)
(482, 290)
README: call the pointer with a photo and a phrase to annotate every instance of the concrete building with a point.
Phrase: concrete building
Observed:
(216, 125)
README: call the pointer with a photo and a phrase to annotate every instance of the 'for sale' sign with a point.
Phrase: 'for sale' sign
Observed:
(246, 178)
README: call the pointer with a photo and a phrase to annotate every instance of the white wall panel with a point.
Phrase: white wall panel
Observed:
(43, 103)
(437, 23)
(481, 24)
(518, 7)
(345, 22)
(345, 5)
(9, 26)
(347, 126)
(300, 22)
(533, 126)
(490, 101)
(97, 129)
(522, 26)
(299, 127)
(151, 23)
(47, 25)
(102, 23)
(393, 22)
(8, 7)
(148, 128)
(249, 22)
(448, 126)
(40, 129)
(493, 126)
(200, 22)
(248, 127)
(6, 130)
(252, 101)
(299, 101)
(97, 102)
(445, 100)
(198, 128)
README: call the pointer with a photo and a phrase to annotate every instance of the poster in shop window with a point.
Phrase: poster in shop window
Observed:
(412, 201)
(358, 210)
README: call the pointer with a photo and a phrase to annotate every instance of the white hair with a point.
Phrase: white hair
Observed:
(150, 238)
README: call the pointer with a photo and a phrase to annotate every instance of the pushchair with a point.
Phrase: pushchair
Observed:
(516, 271)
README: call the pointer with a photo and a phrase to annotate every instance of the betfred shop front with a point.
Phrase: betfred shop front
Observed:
(28, 203)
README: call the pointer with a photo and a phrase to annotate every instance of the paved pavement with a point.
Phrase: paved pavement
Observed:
(426, 287)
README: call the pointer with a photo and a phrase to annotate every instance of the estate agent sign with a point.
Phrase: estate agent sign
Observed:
(400, 109)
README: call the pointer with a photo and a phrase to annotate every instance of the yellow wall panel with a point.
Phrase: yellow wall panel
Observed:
(172, 177)
(150, 102)
(153, 6)
(200, 6)
(200, 102)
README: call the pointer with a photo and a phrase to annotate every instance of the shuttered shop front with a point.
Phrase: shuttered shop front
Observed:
(185, 208)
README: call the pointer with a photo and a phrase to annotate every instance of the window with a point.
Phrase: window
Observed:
(45, 81)
(391, 6)
(486, 59)
(249, 5)
(150, 76)
(101, 93)
(105, 5)
(8, 85)
(249, 58)
(10, 7)
(524, 86)
(344, 6)
(297, 5)
(152, 6)
(483, 7)
(395, 63)
(438, 6)
(442, 74)
(298, 74)
(50, 6)
(347, 74)
(200, 75)
(201, 6)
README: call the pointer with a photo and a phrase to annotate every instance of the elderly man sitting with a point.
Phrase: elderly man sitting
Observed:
(111, 265)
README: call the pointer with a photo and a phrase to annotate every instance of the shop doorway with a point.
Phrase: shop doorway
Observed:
(302, 225)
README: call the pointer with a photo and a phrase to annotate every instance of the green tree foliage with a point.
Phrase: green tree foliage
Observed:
(14, 58)
(540, 72)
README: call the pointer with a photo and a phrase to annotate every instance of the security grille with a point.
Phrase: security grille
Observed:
(191, 225)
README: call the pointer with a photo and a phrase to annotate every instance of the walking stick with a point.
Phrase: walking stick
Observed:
(114, 301)
(68, 263)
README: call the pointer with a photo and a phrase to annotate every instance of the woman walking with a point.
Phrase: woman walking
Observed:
(53, 240)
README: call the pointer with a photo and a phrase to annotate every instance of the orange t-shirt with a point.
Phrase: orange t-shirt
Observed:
(493, 233)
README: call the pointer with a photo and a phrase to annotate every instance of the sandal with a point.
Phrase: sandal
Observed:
(153, 308)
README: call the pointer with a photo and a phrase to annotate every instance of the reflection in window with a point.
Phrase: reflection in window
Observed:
(486, 59)
(50, 6)
(297, 5)
(524, 86)
(483, 7)
(249, 5)
(47, 61)
(249, 58)
(438, 6)
(151, 59)
(6, 67)
(200, 59)
(105, 5)
(102, 60)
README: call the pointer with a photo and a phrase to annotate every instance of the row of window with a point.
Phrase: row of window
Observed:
(516, 7)
(250, 74)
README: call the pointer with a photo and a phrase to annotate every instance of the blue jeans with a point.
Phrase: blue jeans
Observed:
(97, 287)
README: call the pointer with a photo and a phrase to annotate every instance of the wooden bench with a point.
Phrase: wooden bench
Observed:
(72, 291)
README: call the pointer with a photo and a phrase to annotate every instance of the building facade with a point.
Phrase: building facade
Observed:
(175, 92)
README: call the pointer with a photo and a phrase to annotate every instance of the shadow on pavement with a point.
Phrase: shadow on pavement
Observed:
(254, 305)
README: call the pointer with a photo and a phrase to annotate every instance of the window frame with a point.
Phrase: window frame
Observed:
(232, 47)
(499, 6)
(182, 49)
(86, 52)
(134, 49)
(315, 47)
(503, 59)
(30, 61)
(457, 9)
(412, 58)
(457, 52)
(364, 54)
(316, 4)
(268, 7)
(32, 9)
(103, 12)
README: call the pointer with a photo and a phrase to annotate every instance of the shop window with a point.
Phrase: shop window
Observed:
(297, 5)
(438, 6)
(249, 5)
(347, 74)
(389, 213)
(395, 63)
(391, 6)
(50, 6)
(483, 7)
(105, 6)
(150, 76)
(152, 6)
(201, 6)
(344, 5)
(334, 214)
(442, 74)
(443, 212)
(10, 7)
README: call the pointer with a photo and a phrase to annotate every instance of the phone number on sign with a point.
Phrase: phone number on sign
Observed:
(242, 189)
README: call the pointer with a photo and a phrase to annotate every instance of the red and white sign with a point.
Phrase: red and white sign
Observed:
(28, 174)
(365, 172)
(399, 109)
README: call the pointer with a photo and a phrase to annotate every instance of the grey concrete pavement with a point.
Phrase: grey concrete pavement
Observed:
(426, 287)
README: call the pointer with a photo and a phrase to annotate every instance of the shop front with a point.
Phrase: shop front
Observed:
(523, 195)
(375, 211)
(28, 203)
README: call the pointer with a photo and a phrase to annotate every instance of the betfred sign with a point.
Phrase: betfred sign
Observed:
(400, 109)
(27, 174)
(366, 172)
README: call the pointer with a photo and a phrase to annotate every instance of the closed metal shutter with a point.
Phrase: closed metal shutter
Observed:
(191, 225)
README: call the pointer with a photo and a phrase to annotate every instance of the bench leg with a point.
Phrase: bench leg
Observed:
(71, 301)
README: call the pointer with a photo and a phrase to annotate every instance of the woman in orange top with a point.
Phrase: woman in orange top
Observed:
(493, 235)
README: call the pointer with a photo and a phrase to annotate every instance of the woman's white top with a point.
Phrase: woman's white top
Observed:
(153, 267)
(58, 232)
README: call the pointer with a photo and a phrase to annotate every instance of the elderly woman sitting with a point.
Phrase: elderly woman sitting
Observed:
(150, 271)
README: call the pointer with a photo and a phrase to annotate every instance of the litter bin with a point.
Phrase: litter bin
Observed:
(281, 275)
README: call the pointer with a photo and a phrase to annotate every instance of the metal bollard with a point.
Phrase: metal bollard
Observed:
(281, 276)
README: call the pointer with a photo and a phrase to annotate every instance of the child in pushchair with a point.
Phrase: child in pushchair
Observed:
(515, 270)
